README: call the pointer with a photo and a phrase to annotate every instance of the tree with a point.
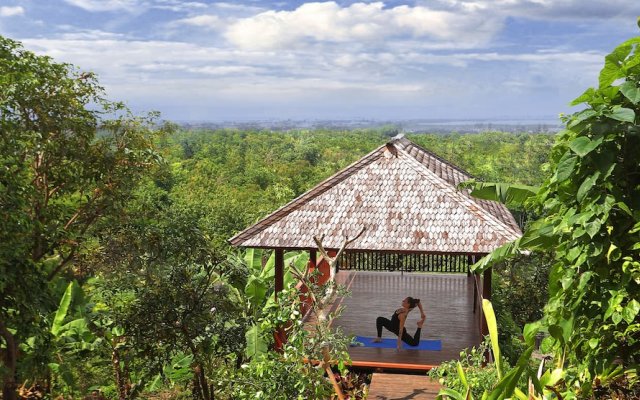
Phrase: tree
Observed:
(63, 167)
(175, 300)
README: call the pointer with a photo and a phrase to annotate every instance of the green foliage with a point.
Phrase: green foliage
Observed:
(498, 381)
(470, 375)
(59, 177)
(590, 207)
(490, 155)
(289, 374)
(519, 295)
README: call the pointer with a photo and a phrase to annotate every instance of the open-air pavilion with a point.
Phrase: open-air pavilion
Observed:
(421, 234)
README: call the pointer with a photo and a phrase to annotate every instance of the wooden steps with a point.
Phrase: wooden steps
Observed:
(402, 387)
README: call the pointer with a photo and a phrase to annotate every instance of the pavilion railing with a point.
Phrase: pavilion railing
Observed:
(378, 261)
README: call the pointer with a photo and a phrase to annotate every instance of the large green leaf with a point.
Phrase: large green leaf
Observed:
(612, 65)
(492, 325)
(450, 393)
(63, 309)
(631, 91)
(253, 259)
(584, 97)
(583, 145)
(297, 260)
(562, 331)
(530, 331)
(506, 386)
(256, 290)
(179, 369)
(498, 255)
(78, 328)
(155, 383)
(631, 310)
(540, 235)
(462, 375)
(586, 185)
(581, 116)
(269, 269)
(565, 167)
(256, 345)
(514, 195)
(622, 114)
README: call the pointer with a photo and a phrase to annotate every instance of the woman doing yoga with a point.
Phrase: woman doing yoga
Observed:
(396, 323)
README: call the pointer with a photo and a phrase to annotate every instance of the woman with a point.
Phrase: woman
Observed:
(396, 323)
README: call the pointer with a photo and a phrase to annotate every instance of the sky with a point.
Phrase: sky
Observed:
(341, 60)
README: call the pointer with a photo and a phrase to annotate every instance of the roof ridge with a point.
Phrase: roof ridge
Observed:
(462, 197)
(309, 195)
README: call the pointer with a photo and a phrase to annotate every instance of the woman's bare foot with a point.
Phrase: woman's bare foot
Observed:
(377, 340)
(421, 322)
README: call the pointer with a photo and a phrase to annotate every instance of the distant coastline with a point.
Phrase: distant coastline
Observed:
(445, 126)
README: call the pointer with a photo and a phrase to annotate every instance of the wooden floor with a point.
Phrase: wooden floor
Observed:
(402, 387)
(447, 300)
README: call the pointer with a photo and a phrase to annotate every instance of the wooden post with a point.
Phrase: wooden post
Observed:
(279, 272)
(313, 258)
(486, 294)
(279, 335)
(475, 292)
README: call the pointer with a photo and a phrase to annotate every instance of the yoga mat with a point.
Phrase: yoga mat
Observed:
(434, 345)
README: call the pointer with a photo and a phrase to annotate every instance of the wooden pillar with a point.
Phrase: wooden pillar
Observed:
(486, 284)
(279, 272)
(313, 258)
(475, 292)
(486, 294)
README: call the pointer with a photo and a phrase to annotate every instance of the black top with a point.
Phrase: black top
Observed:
(395, 321)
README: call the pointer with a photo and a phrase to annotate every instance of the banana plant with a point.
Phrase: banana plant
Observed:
(260, 296)
(68, 337)
(510, 194)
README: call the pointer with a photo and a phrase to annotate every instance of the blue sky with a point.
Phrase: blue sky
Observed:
(211, 60)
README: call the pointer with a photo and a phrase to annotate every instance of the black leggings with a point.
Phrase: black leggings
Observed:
(386, 322)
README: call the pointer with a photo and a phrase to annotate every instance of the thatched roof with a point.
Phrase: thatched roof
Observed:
(405, 196)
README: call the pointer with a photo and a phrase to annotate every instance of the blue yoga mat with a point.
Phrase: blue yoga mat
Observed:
(434, 345)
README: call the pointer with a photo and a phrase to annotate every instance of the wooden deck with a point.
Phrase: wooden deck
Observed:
(447, 300)
(402, 387)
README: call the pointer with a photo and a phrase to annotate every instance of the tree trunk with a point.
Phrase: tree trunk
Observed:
(200, 382)
(117, 371)
(204, 384)
(9, 385)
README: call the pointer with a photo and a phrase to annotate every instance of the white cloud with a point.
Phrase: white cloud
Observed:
(11, 11)
(367, 23)
(549, 9)
(439, 55)
(73, 33)
(225, 70)
(107, 5)
(156, 64)
(205, 21)
(179, 5)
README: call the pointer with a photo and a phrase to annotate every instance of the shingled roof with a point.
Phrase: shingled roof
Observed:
(405, 196)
